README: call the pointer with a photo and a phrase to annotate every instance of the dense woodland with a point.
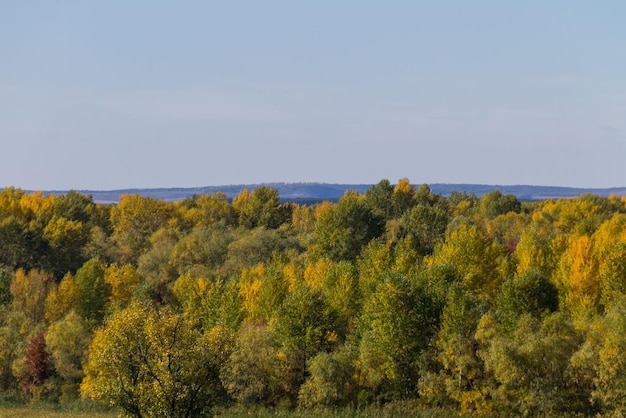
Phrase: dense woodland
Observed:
(481, 305)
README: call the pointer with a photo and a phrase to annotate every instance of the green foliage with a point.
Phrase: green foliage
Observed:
(426, 225)
(305, 324)
(154, 362)
(251, 374)
(399, 320)
(531, 368)
(93, 292)
(495, 203)
(6, 277)
(531, 293)
(342, 230)
(332, 380)
(398, 297)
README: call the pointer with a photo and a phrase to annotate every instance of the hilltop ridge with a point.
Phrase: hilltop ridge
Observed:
(312, 192)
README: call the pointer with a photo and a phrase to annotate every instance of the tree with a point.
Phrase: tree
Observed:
(62, 299)
(342, 230)
(135, 219)
(94, 292)
(379, 199)
(12, 338)
(494, 203)
(332, 380)
(204, 210)
(578, 279)
(399, 321)
(530, 293)
(156, 265)
(203, 251)
(6, 277)
(532, 367)
(426, 225)
(462, 369)
(66, 240)
(252, 373)
(403, 197)
(304, 325)
(38, 366)
(67, 341)
(122, 282)
(261, 207)
(476, 258)
(154, 362)
(29, 292)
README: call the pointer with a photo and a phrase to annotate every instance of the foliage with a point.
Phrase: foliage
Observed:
(394, 302)
(153, 362)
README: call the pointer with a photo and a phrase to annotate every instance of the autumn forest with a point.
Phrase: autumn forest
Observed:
(472, 304)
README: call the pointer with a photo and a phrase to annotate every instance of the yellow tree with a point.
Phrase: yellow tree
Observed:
(62, 299)
(578, 279)
(122, 282)
(476, 258)
(135, 219)
(154, 362)
(29, 292)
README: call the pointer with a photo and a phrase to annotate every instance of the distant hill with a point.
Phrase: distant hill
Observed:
(316, 192)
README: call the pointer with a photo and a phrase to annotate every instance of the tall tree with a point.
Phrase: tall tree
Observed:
(155, 362)
(341, 231)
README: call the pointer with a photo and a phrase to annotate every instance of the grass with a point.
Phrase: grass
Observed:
(46, 410)
(82, 410)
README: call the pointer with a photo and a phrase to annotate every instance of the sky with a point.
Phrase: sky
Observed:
(104, 95)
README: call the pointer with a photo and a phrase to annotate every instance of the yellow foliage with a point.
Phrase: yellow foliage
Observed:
(122, 281)
(578, 278)
(250, 288)
(62, 299)
(315, 273)
(292, 275)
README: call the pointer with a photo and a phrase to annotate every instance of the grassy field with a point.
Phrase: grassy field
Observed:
(388, 411)
(50, 412)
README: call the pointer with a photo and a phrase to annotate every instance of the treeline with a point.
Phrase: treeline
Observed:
(484, 305)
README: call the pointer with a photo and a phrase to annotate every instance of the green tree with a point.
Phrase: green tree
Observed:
(304, 325)
(399, 321)
(156, 265)
(342, 230)
(379, 199)
(66, 240)
(6, 277)
(532, 367)
(252, 373)
(12, 337)
(67, 341)
(203, 251)
(462, 369)
(154, 362)
(93, 292)
(332, 381)
(600, 365)
(494, 203)
(530, 293)
(426, 225)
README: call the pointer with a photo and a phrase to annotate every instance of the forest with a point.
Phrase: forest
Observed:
(480, 305)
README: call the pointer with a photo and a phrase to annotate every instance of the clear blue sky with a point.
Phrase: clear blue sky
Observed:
(117, 94)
